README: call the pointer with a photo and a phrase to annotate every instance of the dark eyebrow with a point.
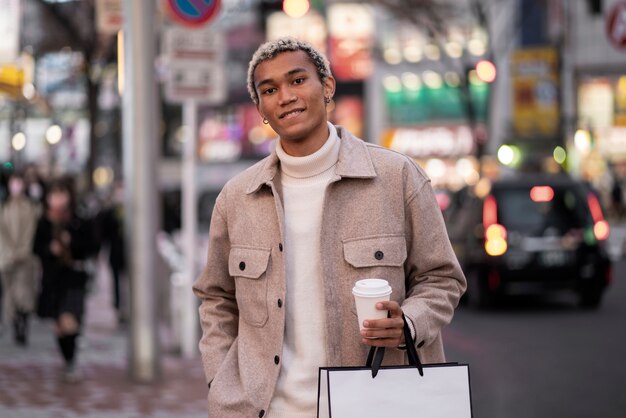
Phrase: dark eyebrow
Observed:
(289, 73)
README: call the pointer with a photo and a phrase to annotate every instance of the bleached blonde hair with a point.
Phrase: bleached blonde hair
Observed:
(271, 49)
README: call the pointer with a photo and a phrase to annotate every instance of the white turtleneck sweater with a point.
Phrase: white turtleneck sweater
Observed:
(304, 181)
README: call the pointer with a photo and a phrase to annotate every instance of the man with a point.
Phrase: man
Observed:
(291, 235)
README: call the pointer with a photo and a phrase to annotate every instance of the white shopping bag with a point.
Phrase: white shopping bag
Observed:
(400, 392)
(424, 391)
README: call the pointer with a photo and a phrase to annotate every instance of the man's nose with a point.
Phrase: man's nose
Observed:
(286, 96)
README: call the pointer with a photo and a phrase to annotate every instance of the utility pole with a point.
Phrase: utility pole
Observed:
(140, 152)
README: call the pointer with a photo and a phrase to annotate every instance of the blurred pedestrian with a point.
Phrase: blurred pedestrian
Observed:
(64, 242)
(291, 235)
(35, 186)
(18, 264)
(111, 227)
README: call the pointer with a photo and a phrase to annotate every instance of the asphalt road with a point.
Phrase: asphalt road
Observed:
(545, 357)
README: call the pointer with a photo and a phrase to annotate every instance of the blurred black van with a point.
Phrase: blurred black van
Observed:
(528, 234)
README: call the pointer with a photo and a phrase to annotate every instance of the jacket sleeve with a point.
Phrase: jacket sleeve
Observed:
(434, 279)
(219, 314)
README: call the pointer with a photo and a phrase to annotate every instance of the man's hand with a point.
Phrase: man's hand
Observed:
(386, 332)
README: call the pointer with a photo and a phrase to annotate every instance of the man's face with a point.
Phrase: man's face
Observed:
(291, 98)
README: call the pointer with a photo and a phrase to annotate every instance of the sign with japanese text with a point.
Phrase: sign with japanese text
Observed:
(195, 62)
(535, 82)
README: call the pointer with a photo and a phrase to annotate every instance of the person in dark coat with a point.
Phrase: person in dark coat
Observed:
(111, 233)
(64, 243)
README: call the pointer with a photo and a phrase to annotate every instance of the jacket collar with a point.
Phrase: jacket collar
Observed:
(354, 161)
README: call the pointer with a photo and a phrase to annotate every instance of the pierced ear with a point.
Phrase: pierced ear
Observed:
(329, 86)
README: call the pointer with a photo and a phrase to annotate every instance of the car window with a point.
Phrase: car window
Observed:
(564, 211)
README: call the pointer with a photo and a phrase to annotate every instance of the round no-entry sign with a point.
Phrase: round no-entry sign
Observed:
(616, 25)
(193, 13)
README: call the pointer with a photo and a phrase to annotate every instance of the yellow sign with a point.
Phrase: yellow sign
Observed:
(535, 79)
(11, 80)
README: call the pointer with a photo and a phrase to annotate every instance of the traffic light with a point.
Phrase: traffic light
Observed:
(486, 71)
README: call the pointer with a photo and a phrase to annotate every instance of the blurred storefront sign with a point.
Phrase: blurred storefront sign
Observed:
(434, 141)
(351, 31)
(446, 152)
(535, 82)
(602, 113)
(616, 25)
(60, 78)
(195, 62)
(414, 99)
(10, 19)
(11, 80)
(595, 103)
(310, 28)
(109, 16)
(233, 133)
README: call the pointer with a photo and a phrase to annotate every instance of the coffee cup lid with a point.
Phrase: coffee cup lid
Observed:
(371, 287)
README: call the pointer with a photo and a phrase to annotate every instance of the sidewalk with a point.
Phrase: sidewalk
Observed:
(31, 384)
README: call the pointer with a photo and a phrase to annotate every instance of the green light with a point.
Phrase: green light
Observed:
(589, 237)
(8, 165)
(559, 155)
(509, 155)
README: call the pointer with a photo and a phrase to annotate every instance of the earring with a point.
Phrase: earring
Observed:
(265, 121)
(330, 104)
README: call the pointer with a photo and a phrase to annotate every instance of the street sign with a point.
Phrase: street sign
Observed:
(193, 13)
(616, 25)
(195, 62)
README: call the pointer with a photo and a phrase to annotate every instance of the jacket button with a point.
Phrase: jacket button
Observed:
(276, 359)
(280, 303)
(379, 255)
(280, 247)
(261, 413)
(242, 266)
(420, 345)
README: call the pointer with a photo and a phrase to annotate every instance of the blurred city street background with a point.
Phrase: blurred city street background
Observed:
(31, 384)
(142, 106)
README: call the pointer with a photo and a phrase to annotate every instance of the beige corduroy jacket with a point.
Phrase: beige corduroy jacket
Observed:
(380, 219)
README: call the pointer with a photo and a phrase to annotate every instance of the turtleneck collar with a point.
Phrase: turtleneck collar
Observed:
(314, 164)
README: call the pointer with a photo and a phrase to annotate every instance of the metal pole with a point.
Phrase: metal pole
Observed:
(140, 156)
(189, 317)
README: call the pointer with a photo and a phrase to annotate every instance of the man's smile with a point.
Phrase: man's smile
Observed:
(290, 114)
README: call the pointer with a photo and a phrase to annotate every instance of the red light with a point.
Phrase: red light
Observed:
(594, 207)
(541, 193)
(490, 211)
(601, 230)
(486, 71)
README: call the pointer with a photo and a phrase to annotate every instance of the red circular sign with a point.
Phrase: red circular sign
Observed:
(193, 13)
(616, 25)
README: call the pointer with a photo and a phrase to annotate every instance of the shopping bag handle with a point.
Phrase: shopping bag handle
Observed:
(376, 354)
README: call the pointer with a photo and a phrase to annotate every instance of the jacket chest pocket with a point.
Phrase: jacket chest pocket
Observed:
(379, 251)
(248, 266)
(381, 256)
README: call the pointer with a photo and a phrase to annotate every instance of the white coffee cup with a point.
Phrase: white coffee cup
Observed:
(367, 293)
